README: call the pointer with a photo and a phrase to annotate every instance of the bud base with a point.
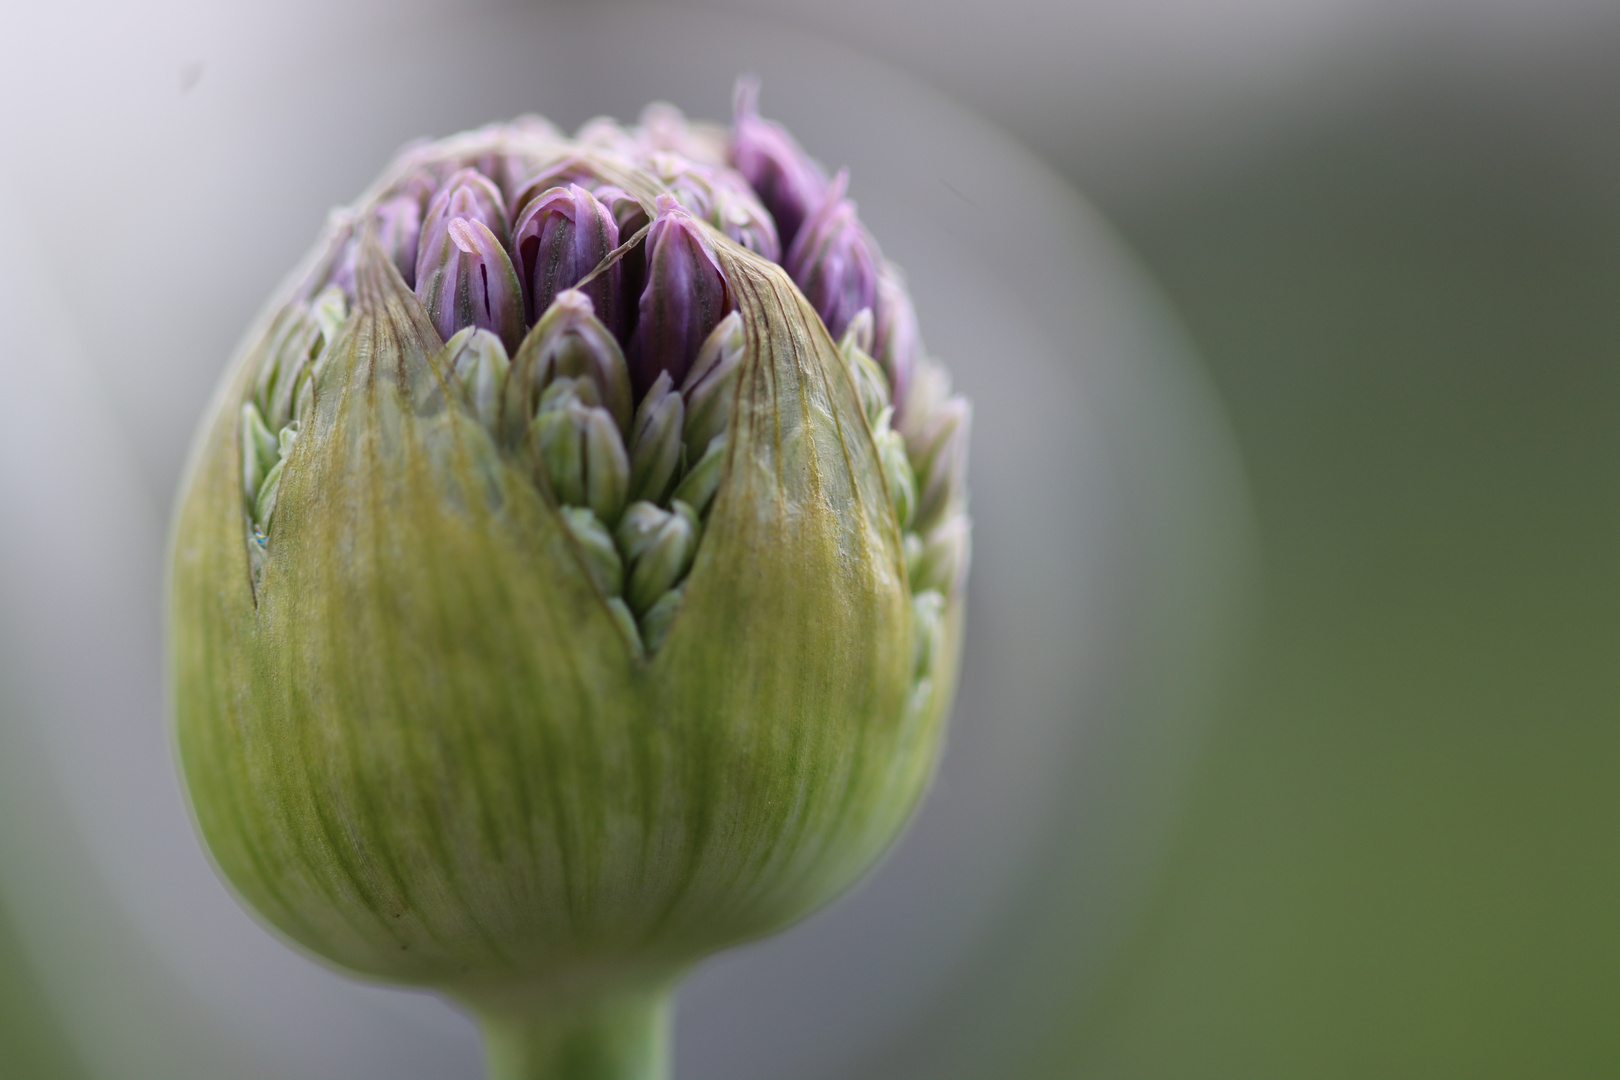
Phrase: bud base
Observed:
(623, 1036)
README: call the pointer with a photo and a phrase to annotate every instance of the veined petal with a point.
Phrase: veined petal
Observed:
(684, 298)
(561, 236)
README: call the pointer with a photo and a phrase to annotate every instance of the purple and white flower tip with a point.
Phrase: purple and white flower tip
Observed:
(686, 296)
(834, 260)
(561, 236)
(472, 283)
(787, 180)
(467, 194)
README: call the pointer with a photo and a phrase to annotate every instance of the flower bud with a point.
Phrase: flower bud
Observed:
(464, 276)
(940, 560)
(691, 184)
(928, 622)
(467, 194)
(603, 133)
(631, 217)
(568, 341)
(397, 219)
(685, 296)
(627, 211)
(834, 260)
(472, 284)
(399, 229)
(535, 682)
(330, 310)
(258, 451)
(658, 547)
(662, 126)
(788, 182)
(577, 445)
(292, 341)
(937, 446)
(934, 424)
(569, 170)
(721, 196)
(710, 386)
(897, 342)
(897, 473)
(264, 505)
(655, 441)
(475, 362)
(702, 480)
(870, 382)
(601, 557)
(655, 624)
(561, 236)
(739, 214)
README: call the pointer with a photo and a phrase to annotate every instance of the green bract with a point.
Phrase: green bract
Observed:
(486, 680)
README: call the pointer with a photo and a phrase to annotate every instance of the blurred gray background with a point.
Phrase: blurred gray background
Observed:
(1336, 751)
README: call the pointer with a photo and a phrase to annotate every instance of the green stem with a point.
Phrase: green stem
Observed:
(621, 1037)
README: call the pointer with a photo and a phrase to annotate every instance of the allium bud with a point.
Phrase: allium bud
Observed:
(787, 181)
(690, 184)
(259, 451)
(710, 386)
(896, 469)
(870, 381)
(685, 295)
(627, 211)
(939, 448)
(600, 556)
(605, 134)
(631, 217)
(722, 197)
(572, 169)
(701, 481)
(467, 194)
(896, 340)
(738, 213)
(399, 228)
(562, 235)
(464, 276)
(658, 546)
(475, 362)
(834, 260)
(569, 341)
(506, 667)
(941, 559)
(578, 448)
(662, 126)
(655, 441)
(293, 342)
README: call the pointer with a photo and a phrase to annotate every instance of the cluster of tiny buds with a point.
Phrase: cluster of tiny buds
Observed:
(599, 342)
